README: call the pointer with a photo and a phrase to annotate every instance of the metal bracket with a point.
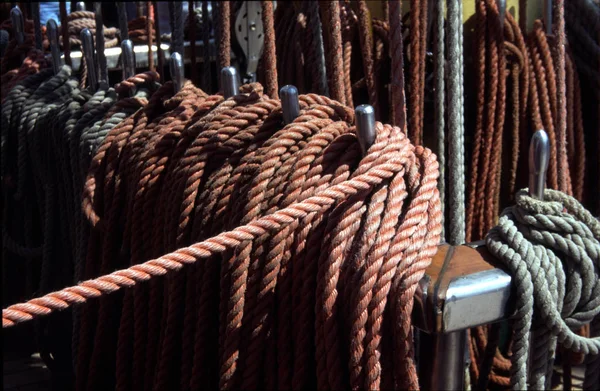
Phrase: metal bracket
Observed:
(250, 36)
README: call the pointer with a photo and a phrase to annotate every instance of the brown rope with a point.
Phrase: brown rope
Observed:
(367, 46)
(79, 20)
(262, 202)
(269, 54)
(334, 50)
(397, 54)
(416, 75)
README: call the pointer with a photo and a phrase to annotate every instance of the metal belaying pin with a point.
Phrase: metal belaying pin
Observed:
(80, 6)
(290, 106)
(230, 82)
(52, 31)
(87, 45)
(127, 59)
(548, 16)
(16, 17)
(501, 11)
(176, 69)
(539, 156)
(365, 126)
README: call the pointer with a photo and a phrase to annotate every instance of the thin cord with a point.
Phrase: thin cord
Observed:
(456, 164)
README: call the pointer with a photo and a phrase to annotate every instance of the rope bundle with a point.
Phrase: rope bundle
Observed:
(552, 248)
(502, 103)
(79, 20)
(138, 29)
(55, 135)
(261, 202)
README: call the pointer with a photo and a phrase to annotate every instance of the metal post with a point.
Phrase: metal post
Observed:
(289, 103)
(52, 30)
(365, 126)
(449, 361)
(176, 69)
(87, 44)
(230, 82)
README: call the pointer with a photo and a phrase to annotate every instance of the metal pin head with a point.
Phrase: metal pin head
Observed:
(230, 82)
(16, 17)
(87, 45)
(80, 6)
(365, 126)
(502, 11)
(52, 31)
(176, 69)
(539, 156)
(128, 59)
(289, 103)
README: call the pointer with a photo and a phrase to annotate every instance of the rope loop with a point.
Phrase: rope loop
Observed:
(552, 249)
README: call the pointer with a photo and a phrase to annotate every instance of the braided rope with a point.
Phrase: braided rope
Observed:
(541, 242)
(277, 186)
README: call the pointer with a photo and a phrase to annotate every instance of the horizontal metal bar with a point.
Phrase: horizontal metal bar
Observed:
(476, 299)
(141, 52)
(462, 288)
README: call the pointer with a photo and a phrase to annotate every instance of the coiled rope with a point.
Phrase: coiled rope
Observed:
(292, 192)
(552, 249)
(79, 20)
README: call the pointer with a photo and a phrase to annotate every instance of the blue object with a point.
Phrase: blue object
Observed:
(49, 10)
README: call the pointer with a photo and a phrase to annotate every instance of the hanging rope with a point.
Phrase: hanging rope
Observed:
(416, 74)
(207, 70)
(159, 52)
(456, 163)
(439, 97)
(397, 54)
(191, 33)
(333, 44)
(366, 42)
(224, 24)
(269, 55)
(292, 193)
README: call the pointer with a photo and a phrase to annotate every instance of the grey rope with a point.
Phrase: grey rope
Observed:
(552, 250)
(440, 99)
(456, 129)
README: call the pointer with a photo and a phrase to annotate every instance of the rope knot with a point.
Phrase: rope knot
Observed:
(552, 250)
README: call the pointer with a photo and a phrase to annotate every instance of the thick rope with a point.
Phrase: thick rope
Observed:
(270, 57)
(542, 242)
(279, 186)
(333, 44)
